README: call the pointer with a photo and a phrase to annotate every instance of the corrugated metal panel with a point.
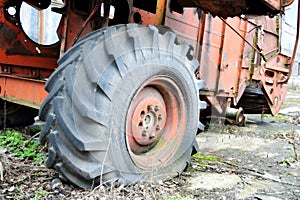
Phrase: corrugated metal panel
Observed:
(185, 25)
(211, 52)
(288, 35)
(40, 26)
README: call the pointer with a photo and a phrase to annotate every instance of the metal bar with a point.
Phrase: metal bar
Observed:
(41, 26)
(256, 49)
(63, 42)
(240, 68)
(85, 23)
(220, 59)
(200, 36)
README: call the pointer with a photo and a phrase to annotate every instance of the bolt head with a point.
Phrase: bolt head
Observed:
(159, 117)
(150, 108)
(144, 134)
(152, 135)
(157, 128)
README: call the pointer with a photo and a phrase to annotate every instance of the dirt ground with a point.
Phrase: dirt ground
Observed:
(258, 161)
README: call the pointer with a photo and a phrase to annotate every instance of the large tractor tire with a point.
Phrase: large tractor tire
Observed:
(122, 108)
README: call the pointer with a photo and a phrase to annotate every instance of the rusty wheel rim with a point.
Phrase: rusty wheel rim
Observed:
(155, 123)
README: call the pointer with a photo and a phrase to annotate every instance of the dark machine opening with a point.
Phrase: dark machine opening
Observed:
(121, 12)
(147, 5)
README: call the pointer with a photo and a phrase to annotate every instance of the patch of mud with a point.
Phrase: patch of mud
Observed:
(210, 181)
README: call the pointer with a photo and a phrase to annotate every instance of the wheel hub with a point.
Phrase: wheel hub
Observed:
(148, 112)
(155, 123)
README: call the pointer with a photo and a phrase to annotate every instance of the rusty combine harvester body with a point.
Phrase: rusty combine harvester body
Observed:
(129, 83)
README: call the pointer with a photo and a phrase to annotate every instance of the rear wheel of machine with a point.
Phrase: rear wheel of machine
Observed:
(122, 108)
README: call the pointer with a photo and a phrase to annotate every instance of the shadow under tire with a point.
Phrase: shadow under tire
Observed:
(13, 115)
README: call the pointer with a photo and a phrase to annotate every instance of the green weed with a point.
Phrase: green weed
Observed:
(278, 117)
(13, 141)
(41, 193)
(176, 198)
(204, 159)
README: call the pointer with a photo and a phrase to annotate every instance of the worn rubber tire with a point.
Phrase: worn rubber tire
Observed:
(91, 95)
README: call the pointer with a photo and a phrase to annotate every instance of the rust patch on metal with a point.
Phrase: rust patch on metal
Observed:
(18, 49)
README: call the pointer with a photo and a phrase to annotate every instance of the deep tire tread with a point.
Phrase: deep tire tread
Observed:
(80, 153)
(78, 161)
(47, 128)
(86, 143)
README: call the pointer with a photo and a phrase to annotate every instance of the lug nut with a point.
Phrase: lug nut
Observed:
(144, 134)
(156, 108)
(150, 108)
(157, 128)
(152, 135)
(159, 117)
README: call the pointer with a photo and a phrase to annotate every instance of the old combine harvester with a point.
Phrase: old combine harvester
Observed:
(126, 94)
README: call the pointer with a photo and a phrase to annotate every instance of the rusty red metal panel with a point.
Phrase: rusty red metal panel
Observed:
(232, 56)
(148, 18)
(212, 52)
(24, 64)
(270, 75)
(268, 33)
(71, 27)
(264, 72)
(236, 54)
(185, 25)
(14, 42)
(23, 91)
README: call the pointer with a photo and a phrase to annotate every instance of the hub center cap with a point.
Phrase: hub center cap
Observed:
(148, 112)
